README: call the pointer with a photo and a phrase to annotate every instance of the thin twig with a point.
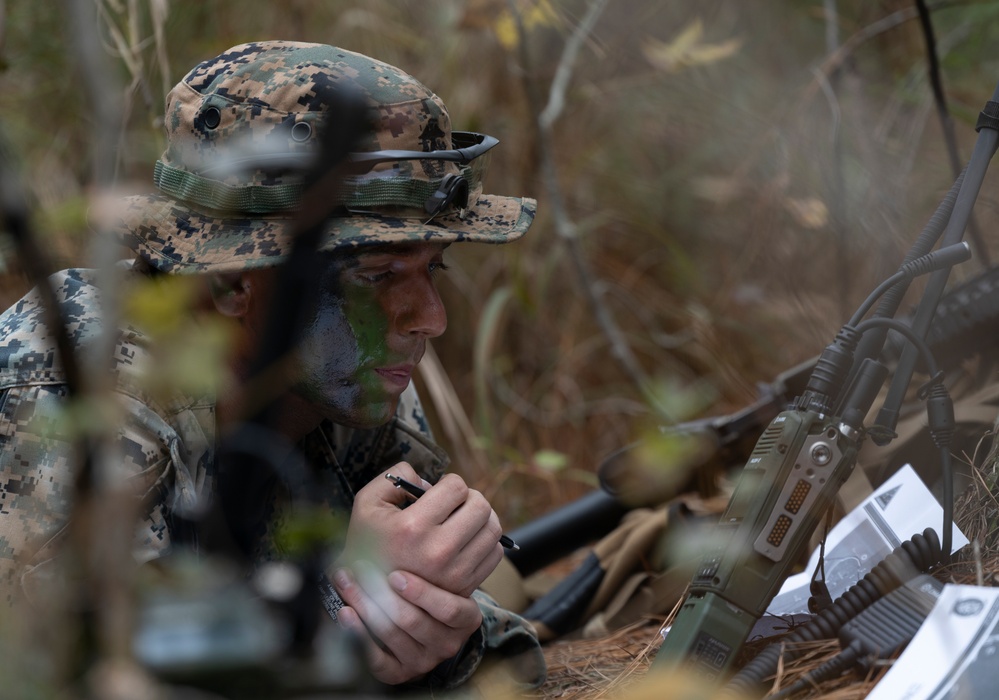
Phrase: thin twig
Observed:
(565, 228)
(563, 73)
(454, 421)
(827, 67)
(832, 25)
(3, 24)
(158, 11)
(106, 506)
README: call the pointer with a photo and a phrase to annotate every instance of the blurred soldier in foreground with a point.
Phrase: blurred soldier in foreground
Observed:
(404, 579)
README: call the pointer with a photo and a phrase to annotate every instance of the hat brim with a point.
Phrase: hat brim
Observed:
(174, 237)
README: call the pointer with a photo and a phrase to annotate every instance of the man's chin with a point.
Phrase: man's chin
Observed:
(349, 407)
(371, 415)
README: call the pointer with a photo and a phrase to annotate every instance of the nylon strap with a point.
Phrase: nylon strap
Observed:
(270, 199)
(989, 117)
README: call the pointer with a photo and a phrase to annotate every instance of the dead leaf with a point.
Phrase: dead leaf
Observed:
(810, 212)
(688, 49)
(533, 14)
(720, 190)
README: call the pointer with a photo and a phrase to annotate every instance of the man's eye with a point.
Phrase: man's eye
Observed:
(374, 276)
(437, 267)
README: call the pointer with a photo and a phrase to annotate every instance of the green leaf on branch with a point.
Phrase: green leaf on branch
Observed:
(550, 460)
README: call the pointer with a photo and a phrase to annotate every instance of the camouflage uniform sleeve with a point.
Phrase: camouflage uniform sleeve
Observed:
(36, 478)
(37, 472)
(505, 637)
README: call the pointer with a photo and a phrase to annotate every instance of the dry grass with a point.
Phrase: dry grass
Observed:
(592, 668)
(617, 665)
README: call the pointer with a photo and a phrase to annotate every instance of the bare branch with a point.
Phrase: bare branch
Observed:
(563, 74)
(565, 228)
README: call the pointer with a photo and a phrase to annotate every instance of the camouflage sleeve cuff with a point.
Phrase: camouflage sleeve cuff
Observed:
(503, 634)
(331, 599)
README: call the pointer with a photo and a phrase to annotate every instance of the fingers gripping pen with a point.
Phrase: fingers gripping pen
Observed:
(416, 491)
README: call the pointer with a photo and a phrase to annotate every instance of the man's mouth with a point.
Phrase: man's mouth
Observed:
(399, 375)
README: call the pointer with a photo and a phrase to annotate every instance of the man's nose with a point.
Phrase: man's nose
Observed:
(422, 310)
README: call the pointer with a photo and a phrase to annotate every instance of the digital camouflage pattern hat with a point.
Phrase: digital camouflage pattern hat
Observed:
(240, 129)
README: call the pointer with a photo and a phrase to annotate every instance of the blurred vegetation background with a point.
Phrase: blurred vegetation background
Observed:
(728, 179)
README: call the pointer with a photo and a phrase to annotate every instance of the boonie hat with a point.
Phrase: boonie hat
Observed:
(241, 128)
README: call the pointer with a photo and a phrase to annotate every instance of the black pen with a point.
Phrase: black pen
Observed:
(415, 491)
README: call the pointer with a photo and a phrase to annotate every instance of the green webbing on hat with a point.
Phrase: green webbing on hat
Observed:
(271, 199)
(395, 191)
(253, 199)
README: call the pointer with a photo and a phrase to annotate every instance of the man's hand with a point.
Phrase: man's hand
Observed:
(449, 537)
(407, 625)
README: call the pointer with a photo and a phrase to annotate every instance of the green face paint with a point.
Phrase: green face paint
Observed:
(373, 315)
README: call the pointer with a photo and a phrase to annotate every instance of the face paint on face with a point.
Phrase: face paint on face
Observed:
(373, 314)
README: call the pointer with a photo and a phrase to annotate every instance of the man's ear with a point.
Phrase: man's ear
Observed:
(231, 293)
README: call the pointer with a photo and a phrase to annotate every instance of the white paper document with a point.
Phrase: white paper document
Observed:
(897, 510)
(955, 654)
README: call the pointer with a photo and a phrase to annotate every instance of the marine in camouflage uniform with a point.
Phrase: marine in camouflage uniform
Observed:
(216, 214)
